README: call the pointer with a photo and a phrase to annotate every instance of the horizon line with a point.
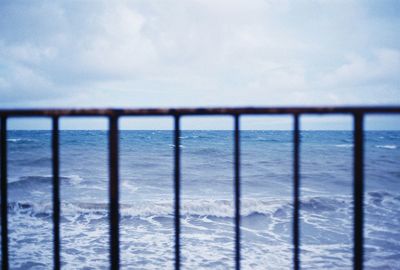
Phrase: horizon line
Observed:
(201, 129)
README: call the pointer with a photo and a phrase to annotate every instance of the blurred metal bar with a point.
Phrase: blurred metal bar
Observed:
(296, 193)
(177, 190)
(56, 193)
(200, 111)
(4, 201)
(237, 191)
(114, 192)
(358, 192)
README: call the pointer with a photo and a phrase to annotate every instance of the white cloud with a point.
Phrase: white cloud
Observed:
(196, 53)
(382, 67)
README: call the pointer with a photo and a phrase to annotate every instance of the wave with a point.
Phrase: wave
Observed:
(173, 146)
(213, 208)
(263, 139)
(18, 140)
(29, 181)
(345, 145)
(40, 161)
(206, 151)
(278, 208)
(350, 145)
(204, 136)
(387, 146)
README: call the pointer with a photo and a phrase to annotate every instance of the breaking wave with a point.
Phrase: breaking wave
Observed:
(201, 207)
(388, 146)
(20, 140)
(34, 180)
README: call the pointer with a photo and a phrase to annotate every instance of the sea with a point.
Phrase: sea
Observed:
(207, 239)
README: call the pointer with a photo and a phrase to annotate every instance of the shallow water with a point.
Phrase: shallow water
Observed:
(146, 227)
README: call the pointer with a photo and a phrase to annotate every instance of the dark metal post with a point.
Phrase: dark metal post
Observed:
(114, 192)
(56, 193)
(296, 193)
(4, 210)
(177, 184)
(358, 191)
(237, 191)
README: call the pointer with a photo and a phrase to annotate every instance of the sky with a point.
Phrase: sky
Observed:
(199, 53)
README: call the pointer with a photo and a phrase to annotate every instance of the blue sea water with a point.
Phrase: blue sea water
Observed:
(146, 224)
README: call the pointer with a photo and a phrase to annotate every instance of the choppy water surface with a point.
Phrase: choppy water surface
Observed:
(207, 204)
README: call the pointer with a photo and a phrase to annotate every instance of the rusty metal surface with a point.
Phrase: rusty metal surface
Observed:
(113, 136)
(177, 192)
(56, 193)
(198, 111)
(296, 193)
(358, 193)
(237, 191)
(4, 195)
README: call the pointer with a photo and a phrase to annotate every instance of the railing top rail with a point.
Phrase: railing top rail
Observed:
(199, 111)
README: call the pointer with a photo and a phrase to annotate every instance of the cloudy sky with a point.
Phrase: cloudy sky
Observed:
(199, 53)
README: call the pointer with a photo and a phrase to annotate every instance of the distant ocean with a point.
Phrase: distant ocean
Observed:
(146, 172)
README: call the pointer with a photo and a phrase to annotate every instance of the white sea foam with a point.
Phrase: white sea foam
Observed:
(147, 215)
(201, 207)
(215, 208)
(387, 146)
(74, 179)
(173, 146)
(207, 242)
(15, 140)
(346, 145)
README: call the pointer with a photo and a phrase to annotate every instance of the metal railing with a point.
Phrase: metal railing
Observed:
(113, 115)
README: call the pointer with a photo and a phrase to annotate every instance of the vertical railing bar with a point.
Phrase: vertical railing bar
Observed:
(296, 193)
(237, 190)
(56, 192)
(358, 191)
(114, 192)
(4, 209)
(177, 180)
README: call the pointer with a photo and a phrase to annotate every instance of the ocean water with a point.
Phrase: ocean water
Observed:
(146, 223)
